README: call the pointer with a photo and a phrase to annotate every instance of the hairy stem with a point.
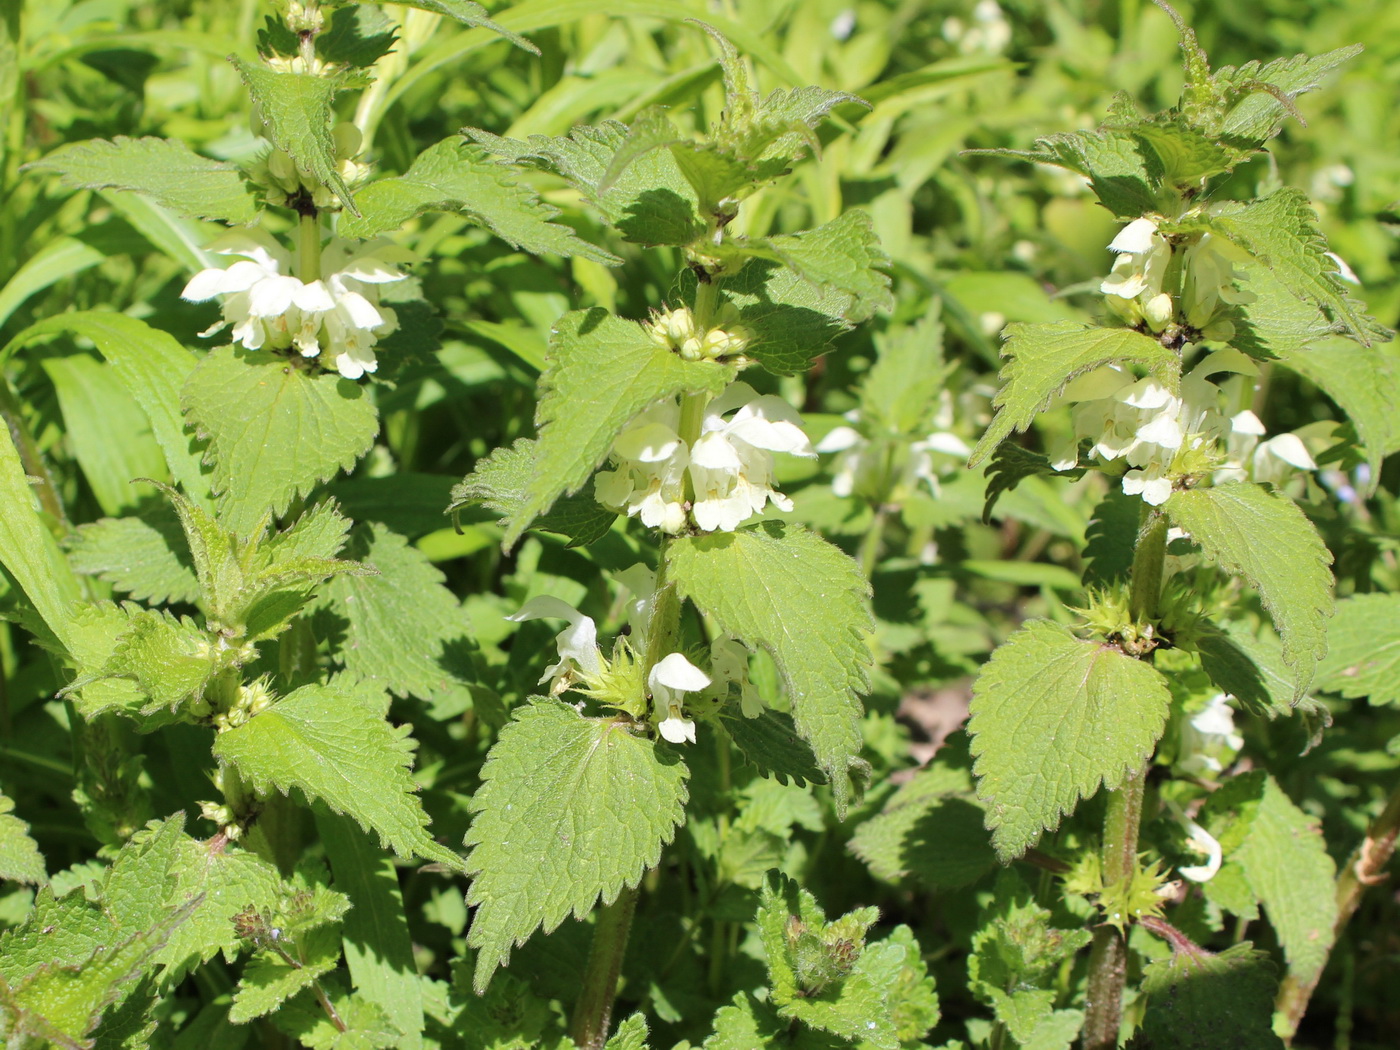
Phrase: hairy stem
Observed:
(1108, 959)
(593, 1010)
(309, 248)
(1365, 867)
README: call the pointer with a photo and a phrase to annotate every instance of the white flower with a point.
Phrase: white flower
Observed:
(1207, 737)
(1201, 841)
(671, 678)
(577, 643)
(729, 660)
(270, 309)
(1273, 461)
(730, 466)
(1208, 279)
(1141, 266)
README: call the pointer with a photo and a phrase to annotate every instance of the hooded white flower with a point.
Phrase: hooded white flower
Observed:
(1208, 279)
(1134, 286)
(270, 309)
(730, 466)
(1201, 841)
(670, 679)
(1207, 738)
(577, 643)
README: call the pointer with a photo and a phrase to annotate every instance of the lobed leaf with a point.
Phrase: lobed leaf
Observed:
(786, 590)
(571, 810)
(1053, 718)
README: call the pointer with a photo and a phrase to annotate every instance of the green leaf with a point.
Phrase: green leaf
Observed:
(29, 552)
(403, 629)
(901, 389)
(1124, 176)
(1053, 717)
(770, 743)
(1365, 382)
(1200, 1001)
(501, 482)
(60, 257)
(296, 114)
(931, 829)
(152, 366)
(1185, 154)
(144, 557)
(791, 593)
(631, 1034)
(378, 947)
(169, 659)
(362, 1026)
(602, 372)
(165, 170)
(1285, 862)
(472, 14)
(839, 258)
(1363, 649)
(334, 749)
(649, 200)
(460, 177)
(1043, 358)
(107, 429)
(1281, 232)
(1011, 464)
(570, 810)
(20, 859)
(1246, 661)
(1267, 540)
(269, 979)
(1258, 115)
(274, 430)
(1110, 538)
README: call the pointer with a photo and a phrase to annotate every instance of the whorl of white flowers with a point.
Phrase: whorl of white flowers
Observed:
(1141, 422)
(339, 316)
(729, 467)
(861, 464)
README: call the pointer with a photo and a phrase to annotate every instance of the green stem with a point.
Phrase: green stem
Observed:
(1365, 867)
(706, 300)
(593, 1010)
(870, 544)
(309, 249)
(1108, 959)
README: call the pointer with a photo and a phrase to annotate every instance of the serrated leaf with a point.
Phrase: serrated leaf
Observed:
(269, 979)
(770, 743)
(501, 482)
(1200, 1001)
(901, 389)
(20, 859)
(1365, 382)
(1125, 177)
(144, 556)
(789, 592)
(1258, 116)
(1284, 860)
(841, 257)
(1185, 154)
(1043, 358)
(602, 372)
(362, 1026)
(931, 829)
(1012, 464)
(1363, 649)
(1110, 539)
(169, 659)
(570, 810)
(152, 366)
(330, 746)
(296, 113)
(648, 201)
(1053, 718)
(1267, 540)
(165, 170)
(472, 14)
(631, 1034)
(1249, 668)
(460, 177)
(274, 430)
(1281, 232)
(403, 629)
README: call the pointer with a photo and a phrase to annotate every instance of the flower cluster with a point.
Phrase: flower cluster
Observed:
(285, 184)
(676, 330)
(1163, 436)
(339, 315)
(729, 467)
(1137, 288)
(616, 681)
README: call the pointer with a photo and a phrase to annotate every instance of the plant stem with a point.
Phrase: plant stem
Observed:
(29, 456)
(871, 541)
(1108, 959)
(309, 248)
(706, 299)
(1365, 867)
(593, 1010)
